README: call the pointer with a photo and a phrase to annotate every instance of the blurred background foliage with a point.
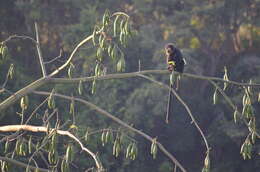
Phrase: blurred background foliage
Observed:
(211, 34)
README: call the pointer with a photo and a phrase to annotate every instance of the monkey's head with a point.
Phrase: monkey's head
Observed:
(169, 49)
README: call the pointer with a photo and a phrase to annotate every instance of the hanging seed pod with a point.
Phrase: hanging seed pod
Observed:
(93, 90)
(30, 145)
(4, 51)
(54, 141)
(64, 166)
(80, 87)
(134, 151)
(115, 25)
(121, 64)
(72, 106)
(207, 162)
(258, 97)
(126, 27)
(103, 137)
(225, 77)
(249, 88)
(108, 136)
(51, 102)
(24, 102)
(114, 53)
(17, 146)
(99, 53)
(86, 135)
(53, 157)
(69, 154)
(215, 97)
(128, 150)
(116, 148)
(11, 71)
(235, 115)
(6, 146)
(154, 148)
(70, 70)
(109, 49)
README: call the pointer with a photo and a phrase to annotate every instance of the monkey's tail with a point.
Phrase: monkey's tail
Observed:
(169, 105)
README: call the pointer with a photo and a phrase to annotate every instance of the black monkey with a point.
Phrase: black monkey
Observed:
(175, 62)
(174, 58)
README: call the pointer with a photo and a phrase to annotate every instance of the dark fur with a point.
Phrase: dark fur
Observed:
(174, 54)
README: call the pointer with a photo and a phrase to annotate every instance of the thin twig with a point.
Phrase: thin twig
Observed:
(21, 164)
(117, 120)
(35, 110)
(20, 37)
(12, 128)
(54, 59)
(39, 50)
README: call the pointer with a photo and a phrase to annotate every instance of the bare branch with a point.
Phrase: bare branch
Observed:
(117, 120)
(21, 164)
(184, 104)
(72, 54)
(135, 74)
(39, 50)
(20, 37)
(56, 58)
(13, 128)
(22, 92)
(36, 84)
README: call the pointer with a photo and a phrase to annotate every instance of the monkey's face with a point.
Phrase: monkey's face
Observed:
(168, 51)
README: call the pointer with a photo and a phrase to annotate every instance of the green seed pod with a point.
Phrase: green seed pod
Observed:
(115, 25)
(11, 71)
(93, 90)
(103, 137)
(114, 147)
(225, 77)
(80, 87)
(235, 115)
(207, 161)
(122, 25)
(6, 146)
(24, 102)
(126, 27)
(72, 106)
(128, 150)
(64, 166)
(86, 135)
(215, 97)
(99, 53)
(51, 102)
(69, 152)
(108, 136)
(30, 145)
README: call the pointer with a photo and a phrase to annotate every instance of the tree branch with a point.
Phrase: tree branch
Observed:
(13, 128)
(39, 50)
(135, 74)
(185, 106)
(13, 161)
(22, 92)
(36, 84)
(233, 106)
(117, 120)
